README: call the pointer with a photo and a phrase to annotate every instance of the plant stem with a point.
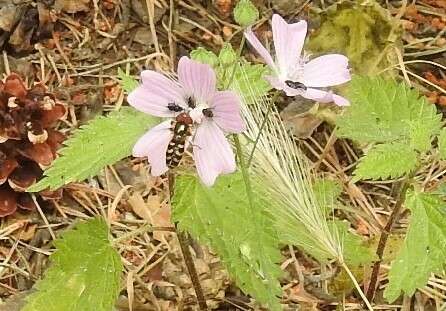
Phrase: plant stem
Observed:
(358, 288)
(265, 118)
(245, 173)
(188, 260)
(384, 237)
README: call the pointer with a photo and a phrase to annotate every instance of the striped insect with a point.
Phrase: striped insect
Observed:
(182, 129)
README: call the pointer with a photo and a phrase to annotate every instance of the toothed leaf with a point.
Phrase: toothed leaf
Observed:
(103, 141)
(84, 273)
(385, 161)
(384, 111)
(424, 250)
(128, 83)
(243, 237)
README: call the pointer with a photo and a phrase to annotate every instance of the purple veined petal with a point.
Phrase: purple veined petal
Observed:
(252, 39)
(281, 85)
(164, 87)
(198, 79)
(325, 97)
(327, 70)
(226, 110)
(144, 100)
(153, 145)
(212, 153)
(288, 42)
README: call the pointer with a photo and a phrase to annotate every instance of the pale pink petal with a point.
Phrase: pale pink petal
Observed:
(162, 86)
(280, 85)
(197, 79)
(146, 101)
(252, 39)
(327, 70)
(226, 109)
(212, 152)
(288, 43)
(153, 145)
(325, 97)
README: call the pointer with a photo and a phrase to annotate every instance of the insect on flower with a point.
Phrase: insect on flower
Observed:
(198, 115)
(181, 131)
(296, 74)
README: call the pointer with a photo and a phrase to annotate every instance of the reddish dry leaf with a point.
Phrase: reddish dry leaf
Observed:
(14, 86)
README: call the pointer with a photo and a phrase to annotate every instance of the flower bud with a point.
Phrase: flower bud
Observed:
(245, 13)
(204, 56)
(227, 55)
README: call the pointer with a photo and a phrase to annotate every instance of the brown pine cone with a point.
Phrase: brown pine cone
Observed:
(28, 141)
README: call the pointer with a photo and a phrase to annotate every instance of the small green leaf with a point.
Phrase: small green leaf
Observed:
(248, 81)
(384, 111)
(442, 144)
(386, 160)
(245, 13)
(127, 82)
(84, 275)
(103, 141)
(222, 218)
(205, 57)
(424, 250)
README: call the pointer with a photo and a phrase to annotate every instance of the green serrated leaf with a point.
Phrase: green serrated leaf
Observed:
(384, 111)
(84, 275)
(424, 249)
(128, 83)
(221, 217)
(442, 143)
(103, 141)
(386, 160)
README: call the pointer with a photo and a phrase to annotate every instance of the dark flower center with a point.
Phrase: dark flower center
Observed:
(207, 112)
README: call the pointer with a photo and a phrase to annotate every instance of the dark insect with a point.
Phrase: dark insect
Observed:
(181, 130)
(295, 85)
(174, 107)
(207, 112)
(191, 103)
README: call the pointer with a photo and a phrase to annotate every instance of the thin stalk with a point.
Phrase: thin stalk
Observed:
(384, 237)
(188, 260)
(234, 67)
(265, 118)
(244, 169)
(358, 288)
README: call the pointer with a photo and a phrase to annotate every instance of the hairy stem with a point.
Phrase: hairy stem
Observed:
(384, 237)
(183, 239)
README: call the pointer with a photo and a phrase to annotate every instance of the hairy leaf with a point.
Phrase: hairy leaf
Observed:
(386, 160)
(221, 217)
(385, 111)
(84, 275)
(424, 250)
(442, 143)
(103, 141)
(128, 83)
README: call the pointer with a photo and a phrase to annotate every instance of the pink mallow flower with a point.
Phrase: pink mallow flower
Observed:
(211, 113)
(295, 74)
